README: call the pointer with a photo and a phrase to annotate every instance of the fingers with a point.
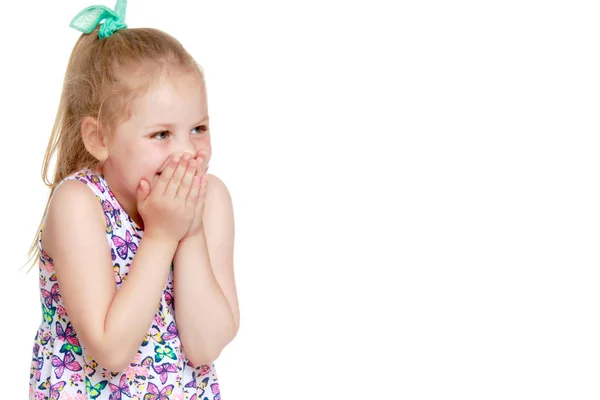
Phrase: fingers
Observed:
(176, 179)
(142, 191)
(186, 181)
(163, 180)
(199, 181)
(194, 192)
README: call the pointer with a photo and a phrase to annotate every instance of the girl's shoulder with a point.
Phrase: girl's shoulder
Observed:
(71, 204)
(72, 197)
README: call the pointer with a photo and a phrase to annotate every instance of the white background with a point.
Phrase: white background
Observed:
(415, 188)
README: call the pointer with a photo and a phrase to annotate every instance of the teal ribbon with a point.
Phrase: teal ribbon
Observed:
(88, 18)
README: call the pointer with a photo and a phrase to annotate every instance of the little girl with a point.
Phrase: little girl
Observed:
(136, 245)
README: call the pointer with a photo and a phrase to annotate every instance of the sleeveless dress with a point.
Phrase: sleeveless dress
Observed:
(61, 367)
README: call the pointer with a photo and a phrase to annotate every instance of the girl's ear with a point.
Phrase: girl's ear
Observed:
(93, 139)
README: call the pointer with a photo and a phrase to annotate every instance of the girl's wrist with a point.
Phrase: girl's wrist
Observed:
(158, 240)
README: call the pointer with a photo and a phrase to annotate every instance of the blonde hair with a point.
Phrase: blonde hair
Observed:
(95, 85)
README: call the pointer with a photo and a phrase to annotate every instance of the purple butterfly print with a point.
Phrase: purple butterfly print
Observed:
(164, 370)
(52, 296)
(36, 348)
(38, 368)
(169, 299)
(154, 394)
(108, 224)
(124, 245)
(68, 362)
(111, 211)
(96, 181)
(56, 389)
(67, 336)
(108, 207)
(215, 389)
(117, 215)
(108, 213)
(45, 258)
(194, 383)
(123, 388)
(171, 332)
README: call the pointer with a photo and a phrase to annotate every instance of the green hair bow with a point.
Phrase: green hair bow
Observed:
(88, 18)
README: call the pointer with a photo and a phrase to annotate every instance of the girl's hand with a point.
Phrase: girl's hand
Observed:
(168, 209)
(196, 225)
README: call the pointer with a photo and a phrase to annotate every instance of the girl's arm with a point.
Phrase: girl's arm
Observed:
(206, 303)
(111, 324)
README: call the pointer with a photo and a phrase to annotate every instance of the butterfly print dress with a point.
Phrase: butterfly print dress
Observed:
(61, 368)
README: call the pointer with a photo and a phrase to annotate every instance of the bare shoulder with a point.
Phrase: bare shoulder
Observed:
(217, 194)
(71, 203)
(218, 217)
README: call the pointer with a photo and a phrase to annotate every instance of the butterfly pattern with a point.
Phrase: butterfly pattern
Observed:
(61, 369)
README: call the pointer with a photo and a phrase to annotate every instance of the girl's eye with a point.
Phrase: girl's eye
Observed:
(200, 129)
(161, 135)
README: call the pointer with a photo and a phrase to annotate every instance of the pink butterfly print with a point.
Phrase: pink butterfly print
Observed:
(36, 349)
(123, 388)
(154, 394)
(111, 211)
(38, 368)
(164, 370)
(161, 337)
(56, 389)
(45, 258)
(108, 224)
(169, 299)
(68, 362)
(108, 207)
(96, 181)
(147, 362)
(194, 384)
(89, 370)
(117, 215)
(171, 332)
(204, 370)
(214, 387)
(67, 336)
(51, 296)
(53, 277)
(123, 246)
(193, 397)
(45, 337)
(156, 334)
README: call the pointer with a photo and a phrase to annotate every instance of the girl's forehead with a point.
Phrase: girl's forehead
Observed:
(173, 97)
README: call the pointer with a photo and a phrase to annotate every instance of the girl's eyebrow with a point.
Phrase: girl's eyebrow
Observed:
(169, 125)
